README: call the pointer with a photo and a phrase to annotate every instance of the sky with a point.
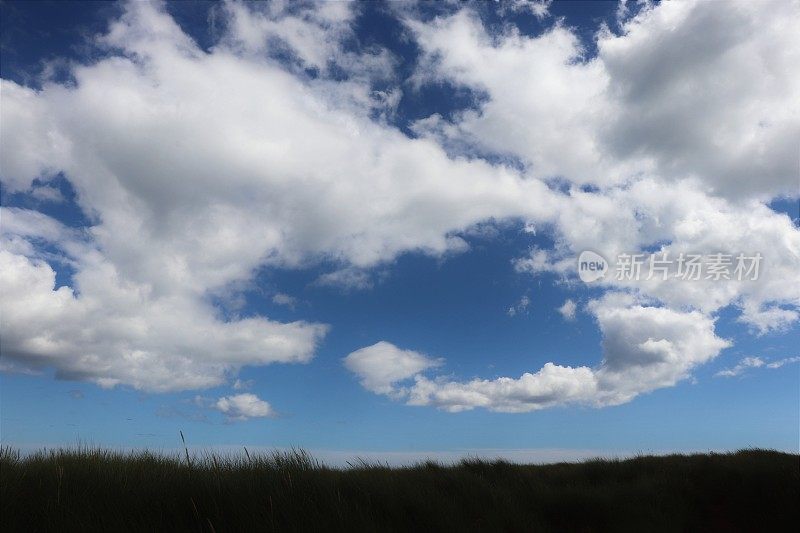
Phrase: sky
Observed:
(401, 230)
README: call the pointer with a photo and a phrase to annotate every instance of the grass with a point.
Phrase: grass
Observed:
(100, 490)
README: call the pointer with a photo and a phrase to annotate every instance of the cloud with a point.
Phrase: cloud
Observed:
(243, 384)
(767, 318)
(191, 187)
(112, 333)
(781, 362)
(519, 307)
(346, 279)
(538, 8)
(669, 116)
(599, 122)
(243, 406)
(193, 181)
(754, 362)
(48, 193)
(381, 366)
(568, 310)
(675, 219)
(649, 102)
(284, 299)
(644, 348)
(312, 33)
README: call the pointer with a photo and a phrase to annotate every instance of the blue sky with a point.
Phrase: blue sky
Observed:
(352, 228)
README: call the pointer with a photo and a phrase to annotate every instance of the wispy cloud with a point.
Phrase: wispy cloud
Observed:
(285, 300)
(520, 307)
(754, 362)
(568, 310)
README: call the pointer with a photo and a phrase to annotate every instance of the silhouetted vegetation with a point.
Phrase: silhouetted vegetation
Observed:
(100, 490)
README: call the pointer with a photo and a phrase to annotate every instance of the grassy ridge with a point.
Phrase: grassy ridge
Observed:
(97, 490)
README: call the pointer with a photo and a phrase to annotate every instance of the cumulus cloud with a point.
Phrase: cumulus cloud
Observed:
(381, 366)
(644, 348)
(183, 210)
(243, 406)
(600, 121)
(684, 90)
(313, 33)
(674, 219)
(112, 333)
(672, 138)
(686, 119)
(656, 185)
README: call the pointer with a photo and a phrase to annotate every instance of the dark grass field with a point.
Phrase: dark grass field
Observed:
(97, 490)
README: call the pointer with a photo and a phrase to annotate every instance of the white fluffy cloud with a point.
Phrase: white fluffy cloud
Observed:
(383, 364)
(109, 331)
(682, 147)
(198, 167)
(685, 90)
(243, 406)
(644, 348)
(678, 218)
(312, 33)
